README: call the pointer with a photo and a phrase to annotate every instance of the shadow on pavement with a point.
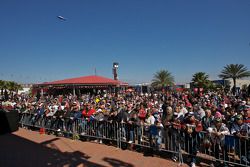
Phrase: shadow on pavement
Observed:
(117, 163)
(17, 151)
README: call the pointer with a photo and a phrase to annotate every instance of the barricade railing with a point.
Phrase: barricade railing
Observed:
(228, 149)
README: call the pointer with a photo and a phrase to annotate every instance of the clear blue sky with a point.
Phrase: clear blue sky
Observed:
(144, 36)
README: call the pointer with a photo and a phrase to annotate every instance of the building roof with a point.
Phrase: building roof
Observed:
(85, 80)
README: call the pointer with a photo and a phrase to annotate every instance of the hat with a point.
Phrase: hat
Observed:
(190, 114)
(243, 102)
(217, 114)
(217, 119)
(189, 105)
(99, 110)
(246, 107)
(238, 117)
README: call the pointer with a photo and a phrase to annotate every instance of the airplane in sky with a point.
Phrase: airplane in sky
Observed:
(61, 18)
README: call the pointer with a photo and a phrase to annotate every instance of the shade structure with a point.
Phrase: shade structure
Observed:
(92, 80)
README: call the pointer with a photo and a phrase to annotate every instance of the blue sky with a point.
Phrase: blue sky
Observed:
(144, 36)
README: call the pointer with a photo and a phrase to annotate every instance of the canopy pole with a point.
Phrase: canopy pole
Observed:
(42, 92)
(74, 91)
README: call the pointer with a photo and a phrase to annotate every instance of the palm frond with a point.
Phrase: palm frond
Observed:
(162, 78)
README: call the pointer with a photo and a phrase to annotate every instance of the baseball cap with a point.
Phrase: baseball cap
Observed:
(238, 117)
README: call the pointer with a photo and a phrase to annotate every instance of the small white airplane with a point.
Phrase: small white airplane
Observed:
(61, 17)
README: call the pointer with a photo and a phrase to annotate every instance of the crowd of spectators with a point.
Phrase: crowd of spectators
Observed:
(172, 113)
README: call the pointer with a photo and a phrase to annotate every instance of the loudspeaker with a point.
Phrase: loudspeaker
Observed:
(8, 121)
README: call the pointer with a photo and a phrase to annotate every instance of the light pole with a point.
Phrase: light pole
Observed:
(115, 67)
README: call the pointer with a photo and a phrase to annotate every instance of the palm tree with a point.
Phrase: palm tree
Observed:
(234, 71)
(200, 79)
(2, 86)
(18, 87)
(13, 87)
(162, 78)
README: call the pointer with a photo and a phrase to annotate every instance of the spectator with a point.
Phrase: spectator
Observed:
(241, 130)
(218, 130)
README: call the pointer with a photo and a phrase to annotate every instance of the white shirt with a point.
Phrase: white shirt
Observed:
(184, 111)
(151, 120)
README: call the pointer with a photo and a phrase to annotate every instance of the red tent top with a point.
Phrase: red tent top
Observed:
(86, 80)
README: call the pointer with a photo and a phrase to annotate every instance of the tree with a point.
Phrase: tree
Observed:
(162, 78)
(200, 80)
(13, 87)
(2, 86)
(18, 87)
(234, 71)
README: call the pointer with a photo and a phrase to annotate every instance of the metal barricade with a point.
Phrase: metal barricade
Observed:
(233, 150)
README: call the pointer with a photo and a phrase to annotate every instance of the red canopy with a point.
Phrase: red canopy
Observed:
(86, 80)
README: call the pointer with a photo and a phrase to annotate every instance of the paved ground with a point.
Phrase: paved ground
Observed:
(29, 148)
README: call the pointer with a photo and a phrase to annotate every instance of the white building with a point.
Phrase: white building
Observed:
(239, 83)
(26, 88)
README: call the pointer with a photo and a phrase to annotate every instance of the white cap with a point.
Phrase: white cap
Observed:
(99, 110)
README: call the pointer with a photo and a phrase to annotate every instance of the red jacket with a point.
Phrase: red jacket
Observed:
(88, 113)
